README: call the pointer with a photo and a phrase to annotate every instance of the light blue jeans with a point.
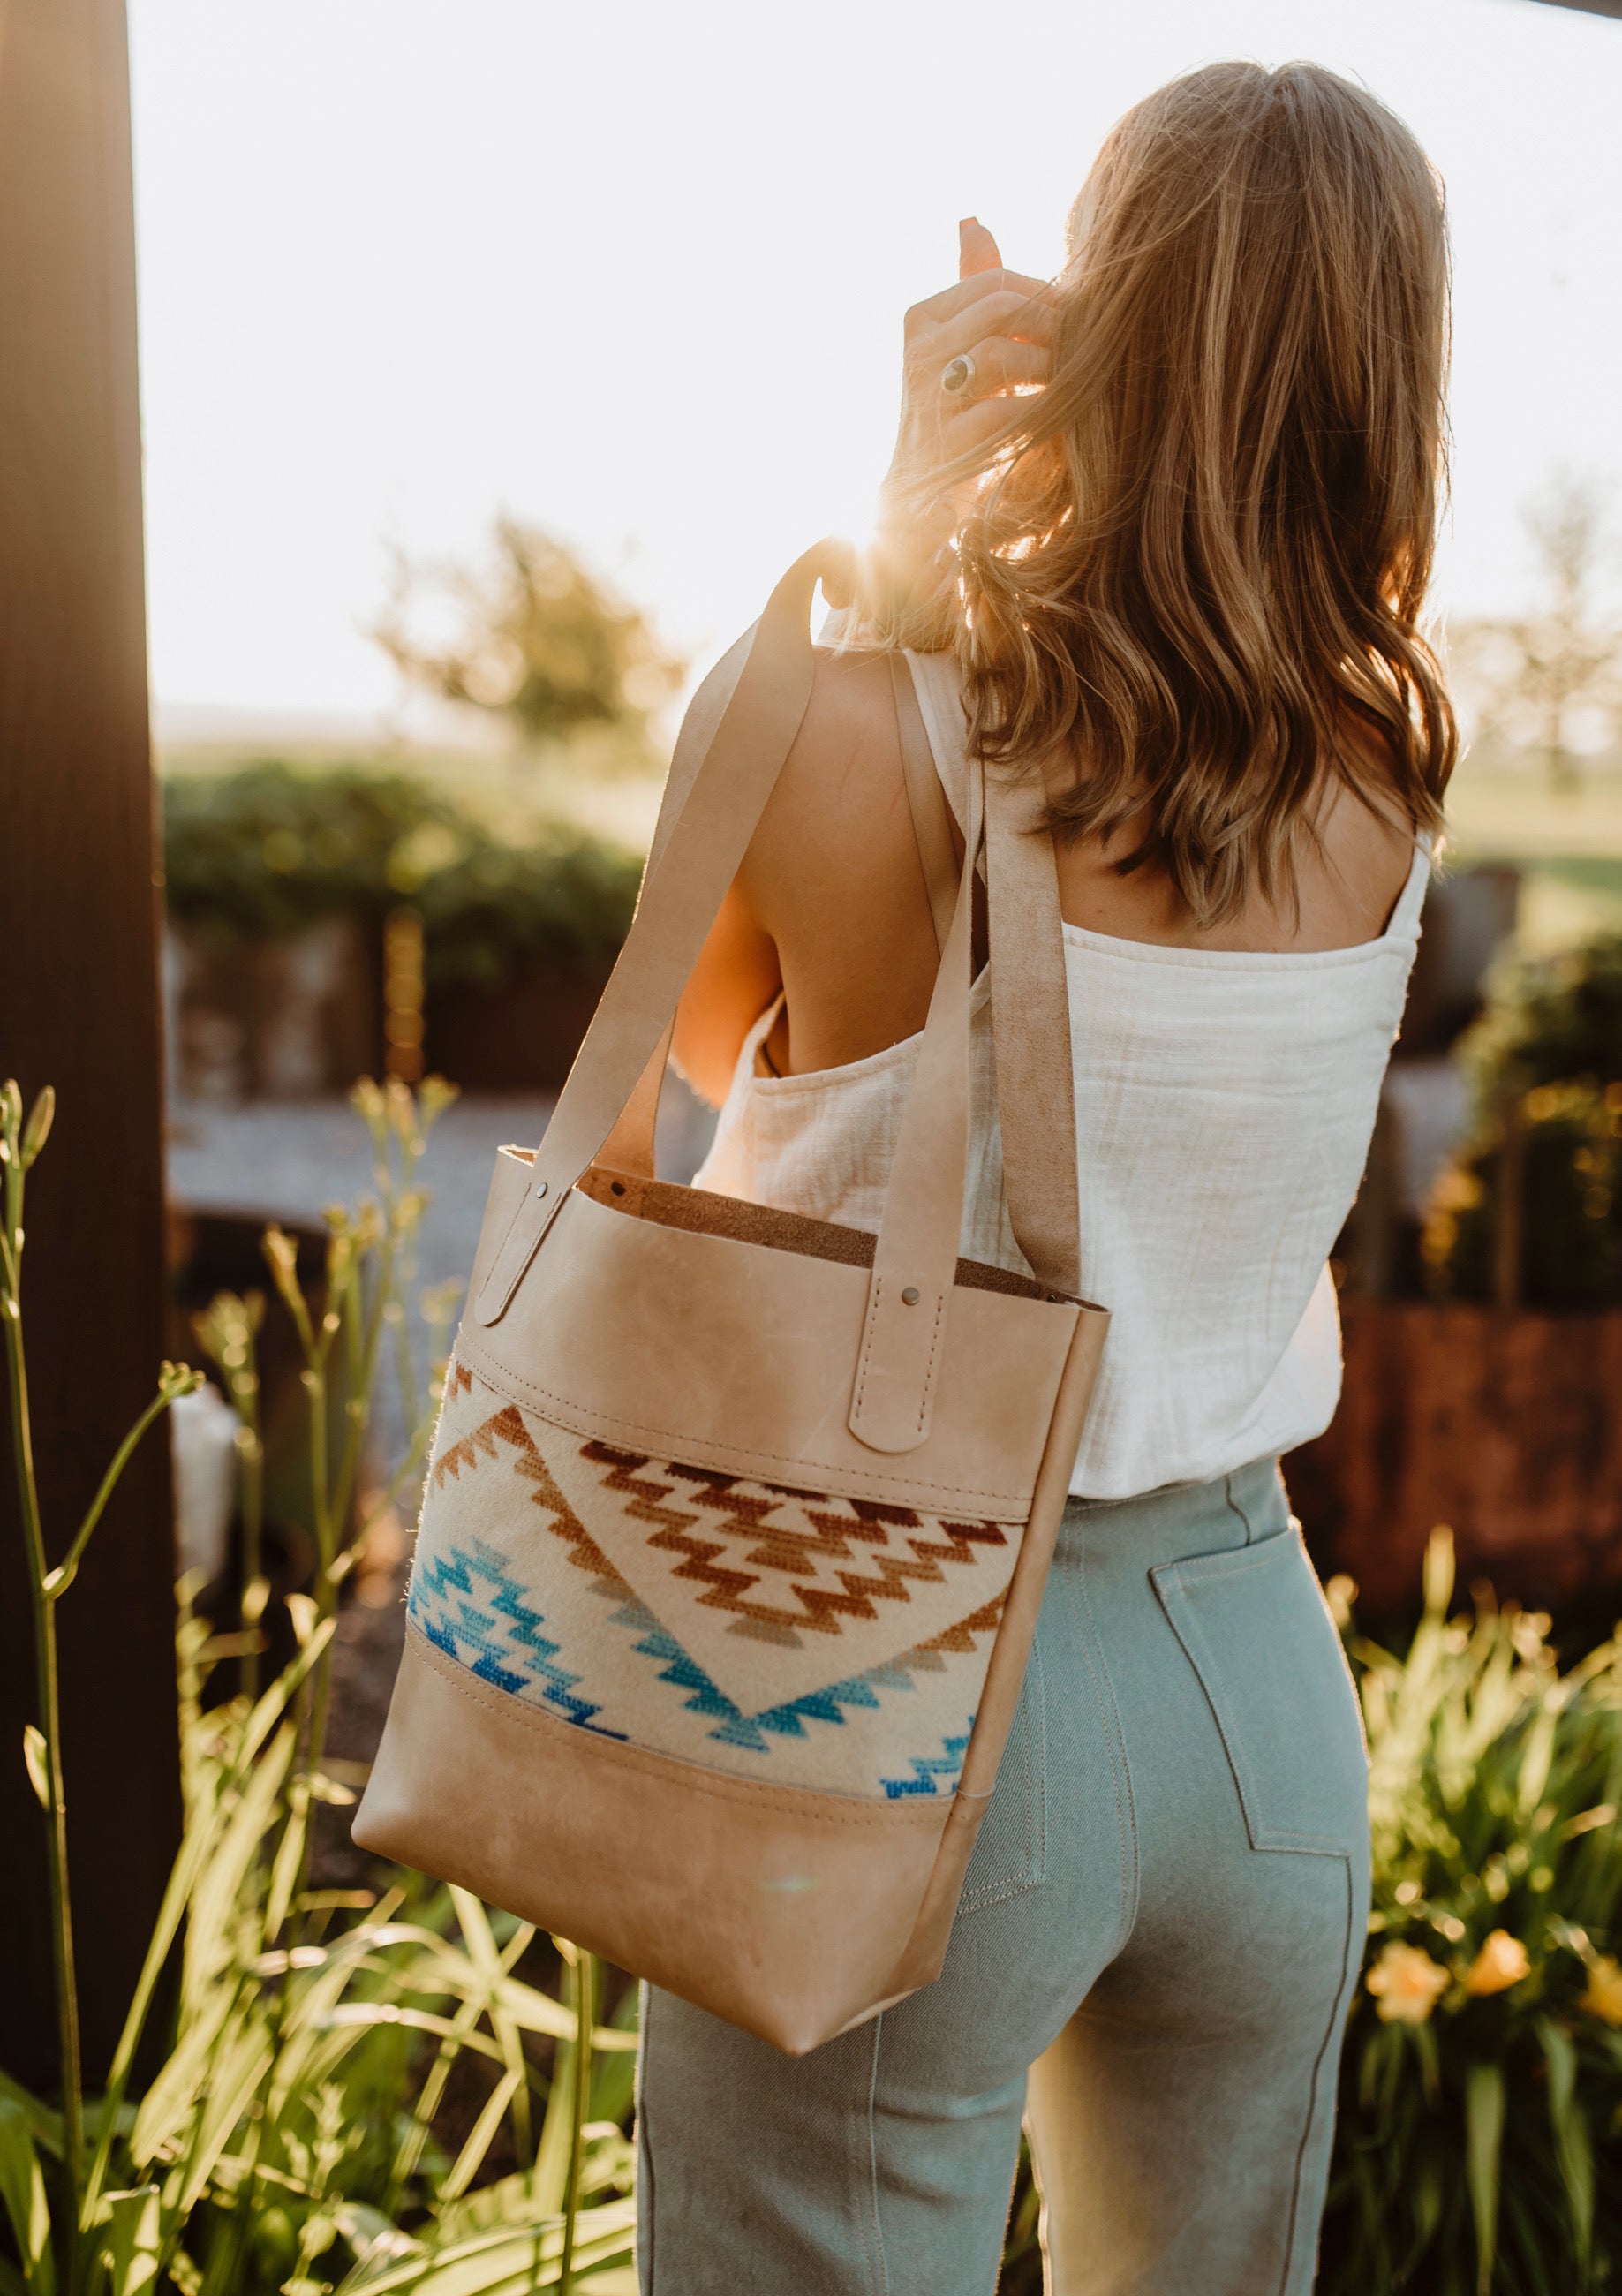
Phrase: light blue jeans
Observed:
(1152, 1964)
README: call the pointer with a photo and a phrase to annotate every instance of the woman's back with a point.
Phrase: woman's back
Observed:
(1225, 1083)
(830, 904)
(1160, 529)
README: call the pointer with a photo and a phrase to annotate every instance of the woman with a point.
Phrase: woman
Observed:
(1187, 497)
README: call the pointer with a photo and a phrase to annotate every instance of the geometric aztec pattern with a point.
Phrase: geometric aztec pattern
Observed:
(751, 1628)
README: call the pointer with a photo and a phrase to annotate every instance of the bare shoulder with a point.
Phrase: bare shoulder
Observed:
(833, 877)
(1365, 836)
(838, 817)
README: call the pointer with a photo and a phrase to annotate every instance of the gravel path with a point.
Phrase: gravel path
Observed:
(288, 1159)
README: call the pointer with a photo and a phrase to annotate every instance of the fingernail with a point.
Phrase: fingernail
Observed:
(968, 222)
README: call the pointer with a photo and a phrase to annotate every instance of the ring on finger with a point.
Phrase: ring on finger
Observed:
(957, 376)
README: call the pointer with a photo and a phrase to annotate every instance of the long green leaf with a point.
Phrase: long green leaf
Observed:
(132, 2240)
(1484, 2103)
(1572, 2147)
(470, 2159)
(232, 2081)
(44, 2121)
(195, 1848)
(504, 2261)
(23, 2188)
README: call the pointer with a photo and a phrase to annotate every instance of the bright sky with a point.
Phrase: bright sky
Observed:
(637, 271)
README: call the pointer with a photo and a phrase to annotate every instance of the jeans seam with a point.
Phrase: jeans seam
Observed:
(1126, 1815)
(1325, 2047)
(998, 1892)
(1234, 1508)
(645, 2178)
(873, 2228)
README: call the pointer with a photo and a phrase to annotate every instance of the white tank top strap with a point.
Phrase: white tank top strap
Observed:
(1404, 918)
(935, 679)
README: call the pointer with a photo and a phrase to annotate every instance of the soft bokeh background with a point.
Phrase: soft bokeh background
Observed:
(632, 277)
(636, 277)
(638, 271)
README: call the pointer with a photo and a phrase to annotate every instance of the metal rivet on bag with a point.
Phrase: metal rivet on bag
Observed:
(909, 1298)
(541, 1190)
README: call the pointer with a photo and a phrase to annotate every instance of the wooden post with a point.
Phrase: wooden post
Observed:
(78, 1009)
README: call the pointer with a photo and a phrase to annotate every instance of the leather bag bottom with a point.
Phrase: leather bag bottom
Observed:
(791, 1913)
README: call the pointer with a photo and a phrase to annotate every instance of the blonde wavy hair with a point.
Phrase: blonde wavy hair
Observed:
(1200, 561)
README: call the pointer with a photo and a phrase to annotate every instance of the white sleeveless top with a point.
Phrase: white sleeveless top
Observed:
(1224, 1107)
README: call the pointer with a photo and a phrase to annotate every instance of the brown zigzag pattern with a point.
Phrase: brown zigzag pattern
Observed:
(458, 1381)
(783, 1549)
(583, 1551)
(673, 1526)
(507, 1426)
(960, 1638)
(468, 1452)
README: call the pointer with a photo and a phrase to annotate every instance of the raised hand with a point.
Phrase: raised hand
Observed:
(964, 350)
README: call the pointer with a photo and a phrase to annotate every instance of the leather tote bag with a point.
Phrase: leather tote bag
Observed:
(736, 1523)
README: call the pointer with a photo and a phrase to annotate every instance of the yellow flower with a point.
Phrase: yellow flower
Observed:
(1501, 1962)
(1405, 1983)
(1603, 1997)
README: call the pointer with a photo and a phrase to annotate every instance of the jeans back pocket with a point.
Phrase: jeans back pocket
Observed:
(1254, 1625)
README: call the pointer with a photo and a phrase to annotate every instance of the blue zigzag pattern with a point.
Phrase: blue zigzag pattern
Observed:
(495, 1638)
(931, 1771)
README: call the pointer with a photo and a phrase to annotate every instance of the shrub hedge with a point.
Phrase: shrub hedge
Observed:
(264, 850)
(1545, 1062)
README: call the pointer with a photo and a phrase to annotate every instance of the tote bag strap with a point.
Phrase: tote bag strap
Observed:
(723, 772)
(721, 779)
(630, 1147)
(1031, 1029)
(926, 801)
(1030, 1004)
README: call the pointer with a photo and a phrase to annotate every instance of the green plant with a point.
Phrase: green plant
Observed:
(227, 1332)
(268, 850)
(1479, 2145)
(1544, 1179)
(288, 2141)
(497, 910)
(1550, 1019)
(293, 2138)
(1531, 1210)
(20, 1145)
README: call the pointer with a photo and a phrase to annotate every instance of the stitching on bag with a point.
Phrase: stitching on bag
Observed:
(867, 1343)
(472, 1354)
(928, 1373)
(880, 1817)
(928, 1369)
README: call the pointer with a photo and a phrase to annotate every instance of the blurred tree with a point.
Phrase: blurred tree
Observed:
(1543, 681)
(533, 635)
